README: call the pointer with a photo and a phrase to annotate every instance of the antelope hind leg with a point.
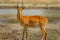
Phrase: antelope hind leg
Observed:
(43, 32)
(46, 32)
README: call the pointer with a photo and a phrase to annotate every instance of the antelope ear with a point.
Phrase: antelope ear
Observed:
(17, 6)
(23, 7)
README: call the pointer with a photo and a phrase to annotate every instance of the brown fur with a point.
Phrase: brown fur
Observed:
(32, 21)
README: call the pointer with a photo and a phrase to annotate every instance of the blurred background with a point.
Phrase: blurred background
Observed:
(10, 28)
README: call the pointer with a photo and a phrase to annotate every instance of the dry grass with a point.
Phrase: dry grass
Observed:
(15, 34)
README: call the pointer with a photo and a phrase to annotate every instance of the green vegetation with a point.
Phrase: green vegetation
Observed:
(53, 35)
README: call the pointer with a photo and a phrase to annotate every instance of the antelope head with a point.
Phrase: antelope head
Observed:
(19, 8)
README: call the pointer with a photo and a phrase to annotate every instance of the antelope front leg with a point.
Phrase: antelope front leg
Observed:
(24, 31)
(23, 34)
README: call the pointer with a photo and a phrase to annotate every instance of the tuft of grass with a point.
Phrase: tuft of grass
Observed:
(53, 35)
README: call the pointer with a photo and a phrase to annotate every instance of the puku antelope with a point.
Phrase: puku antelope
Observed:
(32, 21)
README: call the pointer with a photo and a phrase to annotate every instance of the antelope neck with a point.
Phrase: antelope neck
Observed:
(20, 13)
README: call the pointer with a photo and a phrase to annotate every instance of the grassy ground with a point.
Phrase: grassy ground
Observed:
(17, 35)
(54, 35)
